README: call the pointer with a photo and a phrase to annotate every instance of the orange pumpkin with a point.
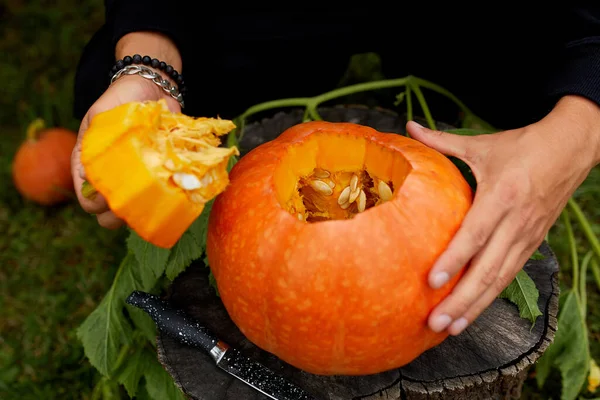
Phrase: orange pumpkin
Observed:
(41, 167)
(323, 240)
(156, 169)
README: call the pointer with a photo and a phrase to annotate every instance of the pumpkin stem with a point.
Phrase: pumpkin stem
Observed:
(34, 128)
(88, 191)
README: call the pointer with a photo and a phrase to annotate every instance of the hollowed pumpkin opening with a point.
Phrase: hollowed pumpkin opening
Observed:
(331, 176)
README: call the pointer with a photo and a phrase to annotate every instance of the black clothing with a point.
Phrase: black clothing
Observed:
(509, 65)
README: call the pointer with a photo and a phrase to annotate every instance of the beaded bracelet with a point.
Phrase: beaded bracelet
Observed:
(120, 68)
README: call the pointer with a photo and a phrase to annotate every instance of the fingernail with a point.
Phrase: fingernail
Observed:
(458, 326)
(439, 279)
(440, 322)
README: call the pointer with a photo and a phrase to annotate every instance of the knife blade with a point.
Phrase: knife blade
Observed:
(178, 325)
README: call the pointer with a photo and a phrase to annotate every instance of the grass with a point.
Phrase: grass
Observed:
(56, 263)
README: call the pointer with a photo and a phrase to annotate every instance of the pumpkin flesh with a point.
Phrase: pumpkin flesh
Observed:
(331, 290)
(155, 168)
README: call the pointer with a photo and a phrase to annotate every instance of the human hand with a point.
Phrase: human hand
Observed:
(125, 89)
(524, 179)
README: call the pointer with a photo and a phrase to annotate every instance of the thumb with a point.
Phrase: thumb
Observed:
(173, 104)
(446, 143)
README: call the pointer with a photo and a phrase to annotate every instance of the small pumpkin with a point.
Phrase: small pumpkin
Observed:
(156, 169)
(41, 167)
(322, 242)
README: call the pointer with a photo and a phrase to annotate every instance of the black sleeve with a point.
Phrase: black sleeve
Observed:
(126, 16)
(122, 17)
(578, 63)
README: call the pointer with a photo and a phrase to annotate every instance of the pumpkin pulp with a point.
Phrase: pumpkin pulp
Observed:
(156, 169)
(331, 176)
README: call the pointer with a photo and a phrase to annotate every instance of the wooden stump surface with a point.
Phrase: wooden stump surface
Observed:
(489, 360)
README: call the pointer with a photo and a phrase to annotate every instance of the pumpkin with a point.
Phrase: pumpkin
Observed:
(322, 242)
(156, 169)
(41, 167)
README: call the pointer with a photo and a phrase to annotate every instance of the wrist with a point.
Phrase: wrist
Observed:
(154, 44)
(150, 56)
(578, 122)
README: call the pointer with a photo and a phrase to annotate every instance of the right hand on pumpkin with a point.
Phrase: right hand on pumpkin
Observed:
(125, 90)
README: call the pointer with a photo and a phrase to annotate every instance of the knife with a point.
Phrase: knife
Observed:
(178, 325)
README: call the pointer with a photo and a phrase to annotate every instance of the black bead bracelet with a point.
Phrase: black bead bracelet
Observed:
(153, 63)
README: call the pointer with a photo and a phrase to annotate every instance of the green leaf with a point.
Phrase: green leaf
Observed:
(110, 390)
(131, 373)
(152, 259)
(186, 250)
(460, 164)
(471, 121)
(470, 131)
(466, 172)
(144, 324)
(191, 246)
(213, 282)
(105, 330)
(570, 350)
(200, 226)
(537, 255)
(523, 292)
(159, 384)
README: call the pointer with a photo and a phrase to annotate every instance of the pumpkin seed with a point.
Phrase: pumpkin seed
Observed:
(385, 192)
(169, 164)
(344, 196)
(345, 205)
(354, 195)
(330, 183)
(321, 173)
(186, 181)
(361, 203)
(321, 187)
(198, 198)
(207, 179)
(354, 183)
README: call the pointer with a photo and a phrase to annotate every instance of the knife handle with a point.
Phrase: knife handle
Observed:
(172, 322)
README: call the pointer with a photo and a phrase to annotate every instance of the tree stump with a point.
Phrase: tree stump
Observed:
(489, 360)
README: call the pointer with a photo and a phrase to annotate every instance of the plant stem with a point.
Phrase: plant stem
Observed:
(97, 392)
(409, 105)
(306, 117)
(595, 272)
(293, 102)
(34, 127)
(437, 88)
(311, 108)
(121, 358)
(572, 248)
(583, 281)
(360, 87)
(585, 225)
(415, 87)
(311, 103)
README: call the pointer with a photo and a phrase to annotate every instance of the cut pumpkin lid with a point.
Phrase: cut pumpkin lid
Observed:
(156, 168)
